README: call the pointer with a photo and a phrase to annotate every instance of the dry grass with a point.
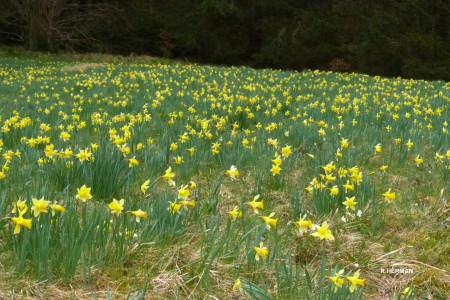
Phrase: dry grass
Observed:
(83, 67)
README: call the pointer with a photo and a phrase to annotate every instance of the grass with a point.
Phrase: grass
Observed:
(305, 142)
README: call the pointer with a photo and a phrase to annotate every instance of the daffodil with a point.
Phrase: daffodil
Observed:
(356, 177)
(237, 285)
(409, 144)
(344, 143)
(144, 186)
(116, 206)
(173, 146)
(39, 206)
(337, 280)
(355, 281)
(174, 207)
(235, 213)
(272, 142)
(317, 184)
(270, 221)
(261, 251)
(178, 160)
(286, 151)
(21, 221)
(19, 205)
(84, 155)
(168, 175)
(277, 160)
(407, 291)
(383, 168)
(329, 168)
(322, 132)
(184, 192)
(50, 151)
(334, 190)
(342, 172)
(389, 196)
(328, 177)
(350, 203)
(139, 214)
(84, 193)
(378, 148)
(256, 205)
(303, 225)
(187, 203)
(348, 186)
(65, 136)
(439, 157)
(233, 172)
(309, 189)
(323, 232)
(133, 162)
(57, 207)
(275, 170)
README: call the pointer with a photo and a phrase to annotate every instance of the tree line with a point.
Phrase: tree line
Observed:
(408, 38)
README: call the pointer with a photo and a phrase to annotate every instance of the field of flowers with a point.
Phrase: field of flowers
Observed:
(168, 180)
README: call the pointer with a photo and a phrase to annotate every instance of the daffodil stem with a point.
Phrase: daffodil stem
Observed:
(153, 183)
(322, 269)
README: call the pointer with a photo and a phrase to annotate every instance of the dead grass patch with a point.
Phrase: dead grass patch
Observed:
(83, 67)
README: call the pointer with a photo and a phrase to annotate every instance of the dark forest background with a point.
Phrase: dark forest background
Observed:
(408, 38)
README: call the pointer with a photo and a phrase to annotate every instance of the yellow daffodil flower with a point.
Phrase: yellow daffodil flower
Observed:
(19, 205)
(303, 225)
(144, 186)
(355, 281)
(168, 175)
(389, 196)
(261, 251)
(337, 280)
(275, 170)
(270, 221)
(235, 213)
(378, 149)
(187, 203)
(139, 214)
(344, 143)
(256, 205)
(233, 172)
(133, 162)
(184, 192)
(237, 285)
(323, 232)
(286, 151)
(418, 160)
(56, 207)
(84, 193)
(39, 206)
(116, 206)
(174, 207)
(350, 203)
(277, 160)
(334, 190)
(383, 168)
(20, 221)
(83, 155)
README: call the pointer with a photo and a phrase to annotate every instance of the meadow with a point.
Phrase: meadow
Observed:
(169, 180)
